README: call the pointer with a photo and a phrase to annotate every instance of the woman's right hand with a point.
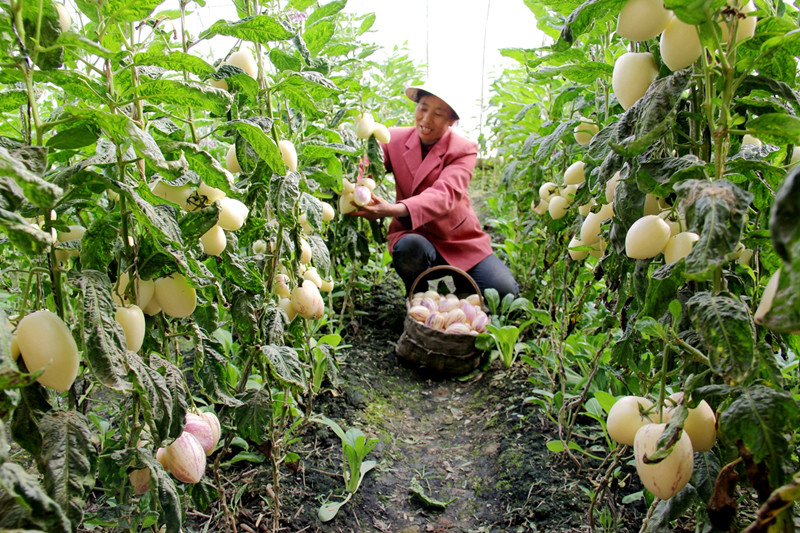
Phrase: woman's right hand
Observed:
(379, 208)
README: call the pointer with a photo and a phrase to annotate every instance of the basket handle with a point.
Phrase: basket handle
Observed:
(453, 269)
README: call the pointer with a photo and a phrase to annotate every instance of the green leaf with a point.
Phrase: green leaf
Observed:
(239, 82)
(583, 17)
(32, 406)
(301, 5)
(42, 30)
(376, 167)
(659, 176)
(272, 323)
(256, 136)
(285, 365)
(633, 147)
(35, 158)
(258, 29)
(548, 143)
(328, 510)
(306, 89)
(587, 72)
(706, 470)
(284, 61)
(125, 132)
(360, 443)
(161, 219)
(775, 128)
(557, 446)
(675, 309)
(367, 23)
(11, 196)
(12, 100)
(38, 191)
(210, 369)
(317, 35)
(717, 212)
(76, 137)
(175, 382)
(78, 45)
(164, 126)
(782, 60)
(325, 11)
(116, 11)
(195, 224)
(784, 314)
(605, 400)
(784, 221)
(775, 88)
(173, 60)
(167, 495)
(647, 121)
(416, 489)
(312, 207)
(25, 237)
(204, 164)
(203, 494)
(103, 336)
(506, 339)
(242, 272)
(158, 260)
(337, 429)
(68, 460)
(649, 327)
(254, 418)
(760, 418)
(662, 287)
(315, 149)
(284, 193)
(96, 254)
(693, 11)
(667, 511)
(186, 94)
(155, 395)
(728, 333)
(30, 496)
(786, 35)
(244, 316)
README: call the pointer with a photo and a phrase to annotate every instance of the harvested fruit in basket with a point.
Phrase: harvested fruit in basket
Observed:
(449, 313)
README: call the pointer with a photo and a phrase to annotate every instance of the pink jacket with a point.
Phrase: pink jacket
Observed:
(434, 190)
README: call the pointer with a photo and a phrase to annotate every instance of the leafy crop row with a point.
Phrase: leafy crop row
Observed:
(709, 149)
(116, 190)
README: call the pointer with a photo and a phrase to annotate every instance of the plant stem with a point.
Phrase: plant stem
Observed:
(696, 354)
(185, 47)
(663, 386)
(577, 404)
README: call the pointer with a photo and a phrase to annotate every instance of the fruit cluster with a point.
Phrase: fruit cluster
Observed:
(449, 313)
(356, 194)
(185, 457)
(642, 20)
(634, 421)
(366, 127)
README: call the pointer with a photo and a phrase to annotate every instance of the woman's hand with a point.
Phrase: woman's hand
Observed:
(379, 208)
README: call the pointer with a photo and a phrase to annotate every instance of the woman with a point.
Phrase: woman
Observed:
(433, 222)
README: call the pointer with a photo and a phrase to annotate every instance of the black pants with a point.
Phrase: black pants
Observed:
(414, 254)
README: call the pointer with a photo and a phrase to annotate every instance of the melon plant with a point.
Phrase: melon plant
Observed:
(163, 168)
(685, 142)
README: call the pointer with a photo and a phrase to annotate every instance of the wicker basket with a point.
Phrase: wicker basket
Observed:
(448, 353)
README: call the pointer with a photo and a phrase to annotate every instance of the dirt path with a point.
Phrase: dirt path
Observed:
(476, 445)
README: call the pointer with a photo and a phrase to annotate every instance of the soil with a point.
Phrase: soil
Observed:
(473, 447)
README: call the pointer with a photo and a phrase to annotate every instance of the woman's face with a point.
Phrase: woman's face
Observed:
(432, 117)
